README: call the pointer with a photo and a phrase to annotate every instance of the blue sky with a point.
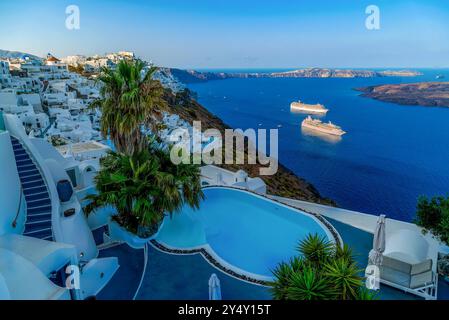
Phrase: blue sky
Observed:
(236, 34)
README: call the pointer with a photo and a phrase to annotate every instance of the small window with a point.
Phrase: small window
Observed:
(72, 176)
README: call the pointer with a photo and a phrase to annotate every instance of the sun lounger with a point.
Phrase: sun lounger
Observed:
(418, 279)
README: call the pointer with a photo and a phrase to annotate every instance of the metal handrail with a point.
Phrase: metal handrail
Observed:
(14, 223)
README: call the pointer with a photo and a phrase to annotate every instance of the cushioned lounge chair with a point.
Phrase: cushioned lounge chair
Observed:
(418, 279)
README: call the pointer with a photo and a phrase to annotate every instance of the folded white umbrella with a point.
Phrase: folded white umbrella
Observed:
(214, 288)
(375, 255)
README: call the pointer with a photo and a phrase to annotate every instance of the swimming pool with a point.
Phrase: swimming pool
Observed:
(244, 232)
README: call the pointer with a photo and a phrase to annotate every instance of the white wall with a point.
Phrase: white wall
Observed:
(9, 188)
(74, 229)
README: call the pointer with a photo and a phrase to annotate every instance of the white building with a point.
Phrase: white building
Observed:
(35, 122)
(11, 102)
(74, 60)
(20, 105)
(216, 176)
(5, 75)
(74, 128)
(97, 64)
(34, 99)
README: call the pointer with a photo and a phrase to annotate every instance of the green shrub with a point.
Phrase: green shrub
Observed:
(433, 216)
(322, 272)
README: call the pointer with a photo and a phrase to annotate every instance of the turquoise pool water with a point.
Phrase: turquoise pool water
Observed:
(243, 231)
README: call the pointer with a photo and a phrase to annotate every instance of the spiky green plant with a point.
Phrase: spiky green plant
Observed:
(282, 273)
(344, 252)
(344, 276)
(316, 249)
(322, 272)
(364, 293)
(308, 285)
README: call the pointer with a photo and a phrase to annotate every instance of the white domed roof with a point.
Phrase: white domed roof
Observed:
(241, 173)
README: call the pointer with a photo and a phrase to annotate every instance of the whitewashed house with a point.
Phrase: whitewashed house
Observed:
(5, 75)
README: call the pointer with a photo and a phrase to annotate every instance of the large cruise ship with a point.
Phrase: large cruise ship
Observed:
(318, 125)
(308, 108)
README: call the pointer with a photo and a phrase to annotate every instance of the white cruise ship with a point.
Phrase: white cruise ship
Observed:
(318, 125)
(308, 108)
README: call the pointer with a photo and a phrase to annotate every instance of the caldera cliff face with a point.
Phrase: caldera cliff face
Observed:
(434, 94)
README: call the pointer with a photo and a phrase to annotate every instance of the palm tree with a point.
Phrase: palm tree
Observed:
(130, 102)
(186, 176)
(143, 187)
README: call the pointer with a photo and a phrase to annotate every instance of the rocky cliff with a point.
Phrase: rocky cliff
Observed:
(423, 93)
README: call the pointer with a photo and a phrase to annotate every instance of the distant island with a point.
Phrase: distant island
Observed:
(193, 76)
(435, 94)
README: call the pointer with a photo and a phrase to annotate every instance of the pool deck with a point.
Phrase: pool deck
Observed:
(359, 220)
(171, 277)
(185, 277)
(356, 230)
(124, 284)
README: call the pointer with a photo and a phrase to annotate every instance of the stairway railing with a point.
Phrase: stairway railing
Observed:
(14, 223)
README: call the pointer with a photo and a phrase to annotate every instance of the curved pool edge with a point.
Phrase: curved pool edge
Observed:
(318, 218)
(216, 261)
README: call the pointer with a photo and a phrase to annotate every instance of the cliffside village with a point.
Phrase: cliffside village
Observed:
(52, 99)
(52, 96)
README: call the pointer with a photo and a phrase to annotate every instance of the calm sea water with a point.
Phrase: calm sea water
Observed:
(390, 155)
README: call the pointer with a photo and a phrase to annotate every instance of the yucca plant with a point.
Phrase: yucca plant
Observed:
(316, 249)
(283, 272)
(364, 293)
(344, 276)
(308, 285)
(344, 252)
(324, 271)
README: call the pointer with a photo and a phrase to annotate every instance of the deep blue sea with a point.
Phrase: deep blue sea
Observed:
(390, 155)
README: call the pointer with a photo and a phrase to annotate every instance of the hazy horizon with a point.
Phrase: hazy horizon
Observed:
(266, 34)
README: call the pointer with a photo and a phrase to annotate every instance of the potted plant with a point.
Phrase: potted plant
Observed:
(118, 232)
(143, 188)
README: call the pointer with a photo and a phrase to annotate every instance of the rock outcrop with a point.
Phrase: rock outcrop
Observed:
(434, 94)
